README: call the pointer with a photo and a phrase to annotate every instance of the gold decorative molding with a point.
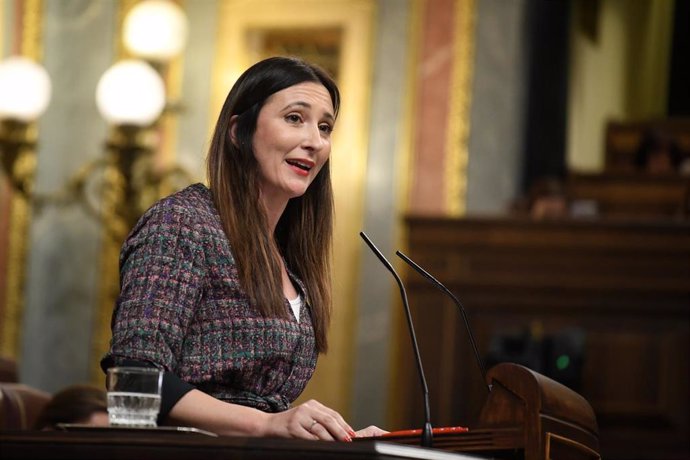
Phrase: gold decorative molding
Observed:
(31, 46)
(355, 18)
(15, 277)
(3, 52)
(460, 92)
(32, 39)
(119, 47)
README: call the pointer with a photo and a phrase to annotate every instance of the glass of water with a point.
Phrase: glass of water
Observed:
(134, 396)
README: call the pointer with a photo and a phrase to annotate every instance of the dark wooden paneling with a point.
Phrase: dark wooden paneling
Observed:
(632, 195)
(625, 286)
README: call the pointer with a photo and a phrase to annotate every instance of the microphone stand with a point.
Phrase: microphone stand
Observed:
(427, 433)
(445, 290)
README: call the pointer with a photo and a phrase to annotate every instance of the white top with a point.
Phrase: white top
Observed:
(296, 304)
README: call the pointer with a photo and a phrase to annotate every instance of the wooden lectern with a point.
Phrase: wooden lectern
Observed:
(133, 444)
(528, 416)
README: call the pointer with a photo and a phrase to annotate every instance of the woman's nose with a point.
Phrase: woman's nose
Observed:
(313, 138)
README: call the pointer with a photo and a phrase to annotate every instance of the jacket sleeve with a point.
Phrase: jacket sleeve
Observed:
(161, 276)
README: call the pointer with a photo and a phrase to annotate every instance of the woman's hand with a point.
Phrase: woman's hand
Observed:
(370, 431)
(310, 420)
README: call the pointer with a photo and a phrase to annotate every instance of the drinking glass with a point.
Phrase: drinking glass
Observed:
(134, 396)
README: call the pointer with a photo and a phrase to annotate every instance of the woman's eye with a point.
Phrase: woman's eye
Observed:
(293, 118)
(326, 128)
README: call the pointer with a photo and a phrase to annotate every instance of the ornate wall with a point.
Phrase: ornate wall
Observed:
(59, 335)
(430, 125)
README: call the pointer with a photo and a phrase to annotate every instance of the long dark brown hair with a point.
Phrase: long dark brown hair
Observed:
(304, 232)
(73, 404)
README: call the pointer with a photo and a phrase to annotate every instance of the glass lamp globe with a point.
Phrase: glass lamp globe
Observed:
(24, 89)
(155, 30)
(130, 92)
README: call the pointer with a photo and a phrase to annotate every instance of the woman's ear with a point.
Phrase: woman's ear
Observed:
(232, 132)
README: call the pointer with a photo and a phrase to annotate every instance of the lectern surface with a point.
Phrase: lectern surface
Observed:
(104, 445)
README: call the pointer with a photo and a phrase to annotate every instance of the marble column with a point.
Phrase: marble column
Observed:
(62, 280)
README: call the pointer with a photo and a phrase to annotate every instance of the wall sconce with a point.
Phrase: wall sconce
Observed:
(119, 185)
(130, 97)
(24, 95)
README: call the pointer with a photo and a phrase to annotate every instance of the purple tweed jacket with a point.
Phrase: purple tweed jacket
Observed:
(182, 308)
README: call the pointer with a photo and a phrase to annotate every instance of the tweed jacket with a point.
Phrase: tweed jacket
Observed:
(182, 309)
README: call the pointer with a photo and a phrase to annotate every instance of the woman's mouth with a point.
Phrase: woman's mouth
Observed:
(301, 167)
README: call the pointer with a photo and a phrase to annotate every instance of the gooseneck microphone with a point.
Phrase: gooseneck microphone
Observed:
(427, 436)
(445, 290)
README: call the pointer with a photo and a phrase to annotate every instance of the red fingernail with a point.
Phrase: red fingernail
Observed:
(352, 434)
(348, 439)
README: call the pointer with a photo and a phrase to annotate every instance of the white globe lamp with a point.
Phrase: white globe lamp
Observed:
(155, 30)
(24, 89)
(131, 92)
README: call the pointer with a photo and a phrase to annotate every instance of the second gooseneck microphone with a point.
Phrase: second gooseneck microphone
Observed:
(427, 434)
(445, 290)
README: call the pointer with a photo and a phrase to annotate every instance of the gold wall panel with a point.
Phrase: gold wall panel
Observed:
(13, 311)
(19, 212)
(460, 93)
(239, 21)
